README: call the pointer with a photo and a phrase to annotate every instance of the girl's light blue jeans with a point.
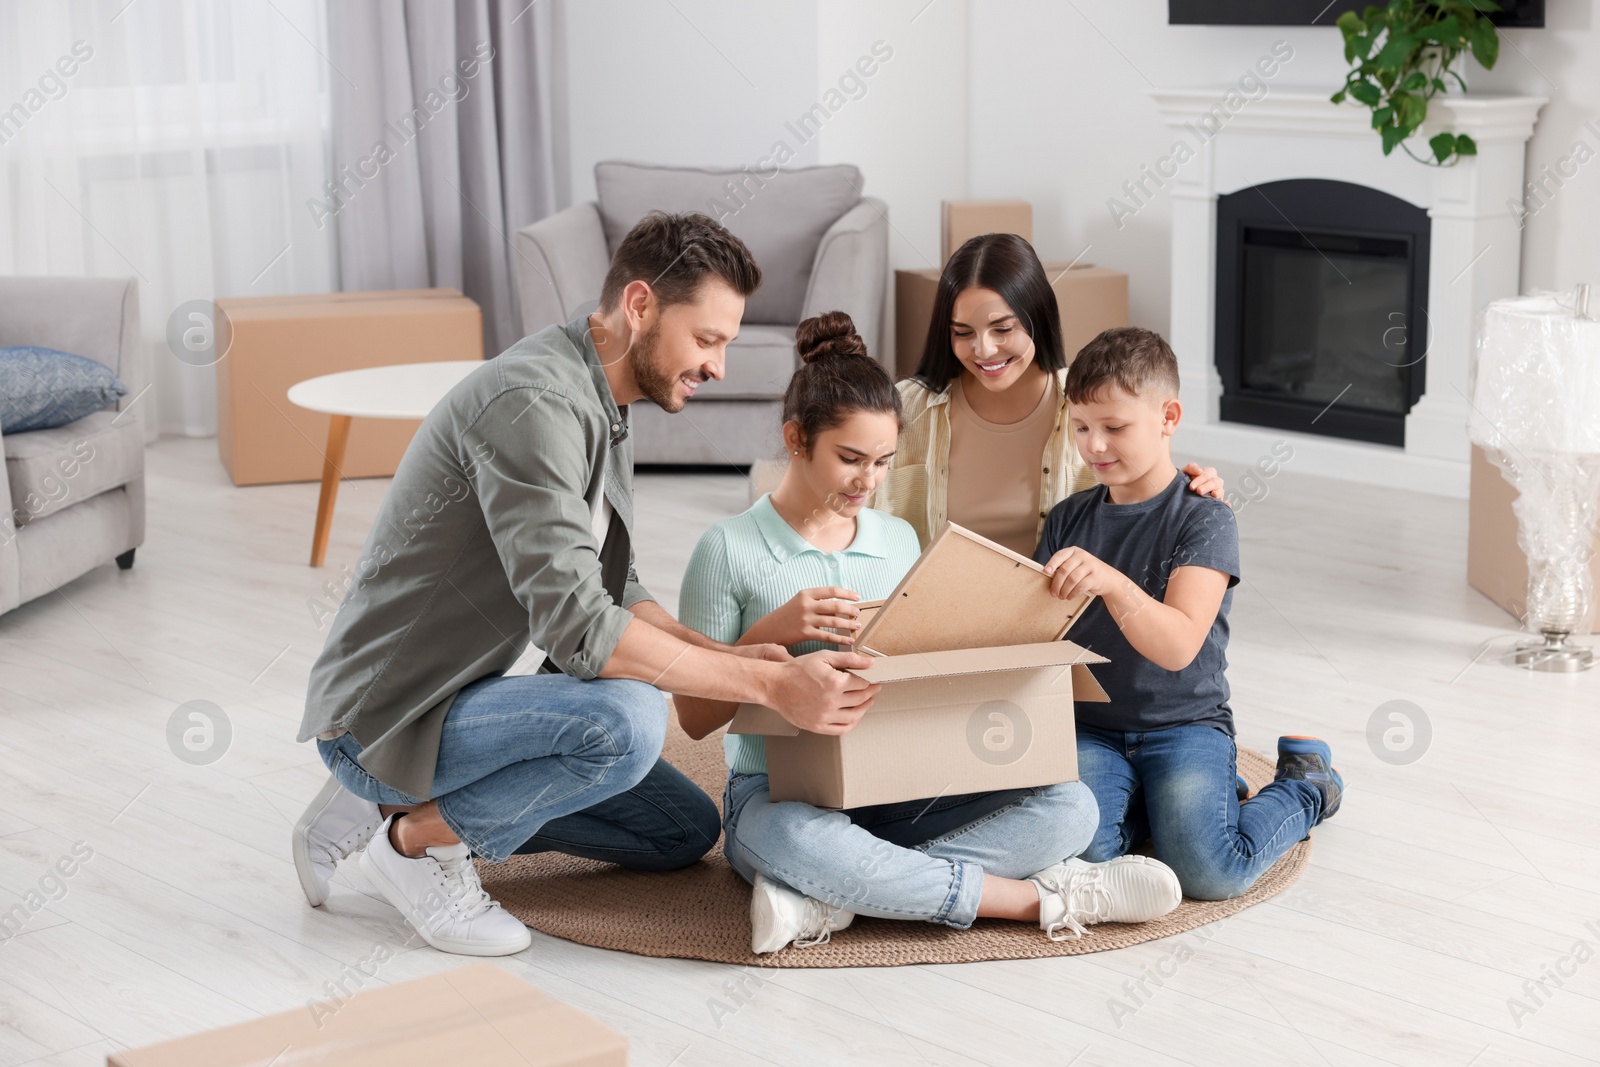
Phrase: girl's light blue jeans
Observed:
(921, 859)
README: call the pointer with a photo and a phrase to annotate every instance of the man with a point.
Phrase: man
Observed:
(510, 521)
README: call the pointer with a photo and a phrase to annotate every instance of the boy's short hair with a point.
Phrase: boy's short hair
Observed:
(1135, 360)
(674, 254)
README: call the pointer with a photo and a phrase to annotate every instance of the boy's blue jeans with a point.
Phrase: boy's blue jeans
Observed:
(920, 859)
(550, 763)
(1176, 786)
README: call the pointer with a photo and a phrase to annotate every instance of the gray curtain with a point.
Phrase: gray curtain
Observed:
(448, 136)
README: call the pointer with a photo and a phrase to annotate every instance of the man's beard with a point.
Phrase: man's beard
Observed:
(657, 386)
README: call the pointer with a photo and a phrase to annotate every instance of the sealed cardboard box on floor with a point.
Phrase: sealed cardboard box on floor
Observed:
(1496, 565)
(978, 688)
(962, 220)
(1090, 299)
(477, 1015)
(273, 342)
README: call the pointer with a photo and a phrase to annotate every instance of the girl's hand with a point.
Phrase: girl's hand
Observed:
(806, 614)
(1204, 480)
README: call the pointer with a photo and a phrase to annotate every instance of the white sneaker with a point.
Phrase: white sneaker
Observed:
(441, 897)
(335, 824)
(1129, 889)
(779, 915)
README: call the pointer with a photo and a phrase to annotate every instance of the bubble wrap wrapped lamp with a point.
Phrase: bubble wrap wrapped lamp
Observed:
(1536, 413)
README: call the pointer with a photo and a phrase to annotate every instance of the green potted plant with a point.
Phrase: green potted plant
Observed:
(1400, 55)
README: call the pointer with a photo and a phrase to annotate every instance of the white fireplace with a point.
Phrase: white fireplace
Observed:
(1474, 254)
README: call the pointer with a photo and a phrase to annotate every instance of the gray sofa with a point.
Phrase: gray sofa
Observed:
(73, 497)
(820, 244)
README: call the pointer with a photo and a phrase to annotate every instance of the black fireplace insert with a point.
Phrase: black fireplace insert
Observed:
(1322, 292)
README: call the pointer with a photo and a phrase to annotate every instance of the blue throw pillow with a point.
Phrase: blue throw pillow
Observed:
(41, 388)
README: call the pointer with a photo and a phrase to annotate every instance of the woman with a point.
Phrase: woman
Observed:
(987, 443)
(790, 571)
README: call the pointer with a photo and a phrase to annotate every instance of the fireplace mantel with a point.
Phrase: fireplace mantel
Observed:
(1475, 248)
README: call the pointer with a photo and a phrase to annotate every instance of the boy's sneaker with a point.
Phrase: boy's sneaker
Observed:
(779, 915)
(335, 824)
(1129, 889)
(441, 897)
(1311, 760)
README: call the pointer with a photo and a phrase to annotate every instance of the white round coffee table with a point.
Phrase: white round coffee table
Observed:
(401, 391)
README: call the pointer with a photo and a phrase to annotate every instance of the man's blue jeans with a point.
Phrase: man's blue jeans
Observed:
(920, 859)
(546, 762)
(1176, 787)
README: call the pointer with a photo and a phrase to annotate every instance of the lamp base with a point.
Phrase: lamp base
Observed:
(1554, 653)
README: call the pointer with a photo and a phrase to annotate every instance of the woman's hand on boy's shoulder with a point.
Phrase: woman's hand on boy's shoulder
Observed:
(1204, 480)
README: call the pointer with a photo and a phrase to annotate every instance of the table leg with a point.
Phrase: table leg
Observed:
(338, 435)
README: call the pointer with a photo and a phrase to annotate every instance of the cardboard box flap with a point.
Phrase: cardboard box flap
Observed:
(758, 719)
(966, 591)
(958, 661)
(1084, 685)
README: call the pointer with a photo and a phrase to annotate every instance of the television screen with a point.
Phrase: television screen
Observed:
(1523, 13)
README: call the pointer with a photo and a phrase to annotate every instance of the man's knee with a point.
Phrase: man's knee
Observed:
(633, 716)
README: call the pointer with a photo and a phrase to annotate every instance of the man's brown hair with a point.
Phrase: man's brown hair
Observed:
(674, 254)
(1132, 359)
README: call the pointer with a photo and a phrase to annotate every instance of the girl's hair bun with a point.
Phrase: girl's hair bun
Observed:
(829, 334)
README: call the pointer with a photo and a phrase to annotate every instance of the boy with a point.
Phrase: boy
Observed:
(1162, 562)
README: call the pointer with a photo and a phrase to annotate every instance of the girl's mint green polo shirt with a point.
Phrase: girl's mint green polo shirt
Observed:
(750, 565)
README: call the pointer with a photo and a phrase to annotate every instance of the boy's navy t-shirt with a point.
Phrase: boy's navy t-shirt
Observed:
(1147, 541)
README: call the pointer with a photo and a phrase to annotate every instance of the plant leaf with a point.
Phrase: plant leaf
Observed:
(1350, 24)
(1412, 110)
(1381, 117)
(1485, 43)
(1397, 51)
(1414, 81)
(1392, 135)
(1443, 145)
(1465, 145)
(1367, 93)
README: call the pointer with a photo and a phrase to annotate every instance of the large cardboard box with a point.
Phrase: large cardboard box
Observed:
(978, 688)
(477, 1015)
(273, 342)
(1090, 299)
(1496, 565)
(962, 220)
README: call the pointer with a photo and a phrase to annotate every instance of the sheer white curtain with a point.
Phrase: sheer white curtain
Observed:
(177, 141)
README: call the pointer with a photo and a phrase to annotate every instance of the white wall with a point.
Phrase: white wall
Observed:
(1002, 98)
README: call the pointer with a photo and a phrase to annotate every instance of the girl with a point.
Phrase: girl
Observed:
(789, 571)
(987, 443)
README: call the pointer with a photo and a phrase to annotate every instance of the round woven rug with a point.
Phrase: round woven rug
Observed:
(703, 912)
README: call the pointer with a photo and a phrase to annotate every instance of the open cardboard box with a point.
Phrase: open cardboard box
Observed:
(978, 688)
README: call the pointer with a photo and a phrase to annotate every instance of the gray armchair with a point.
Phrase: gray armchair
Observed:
(73, 497)
(820, 244)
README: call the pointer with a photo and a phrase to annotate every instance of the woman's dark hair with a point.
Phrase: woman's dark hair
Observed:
(1007, 264)
(836, 377)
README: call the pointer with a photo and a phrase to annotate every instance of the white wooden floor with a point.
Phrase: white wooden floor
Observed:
(1438, 890)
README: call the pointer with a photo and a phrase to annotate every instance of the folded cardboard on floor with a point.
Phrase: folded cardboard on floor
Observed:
(478, 1014)
(978, 688)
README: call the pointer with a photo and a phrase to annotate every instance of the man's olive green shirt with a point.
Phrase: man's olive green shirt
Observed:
(482, 545)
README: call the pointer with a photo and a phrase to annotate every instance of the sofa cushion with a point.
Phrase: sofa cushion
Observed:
(760, 363)
(41, 388)
(53, 469)
(781, 218)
